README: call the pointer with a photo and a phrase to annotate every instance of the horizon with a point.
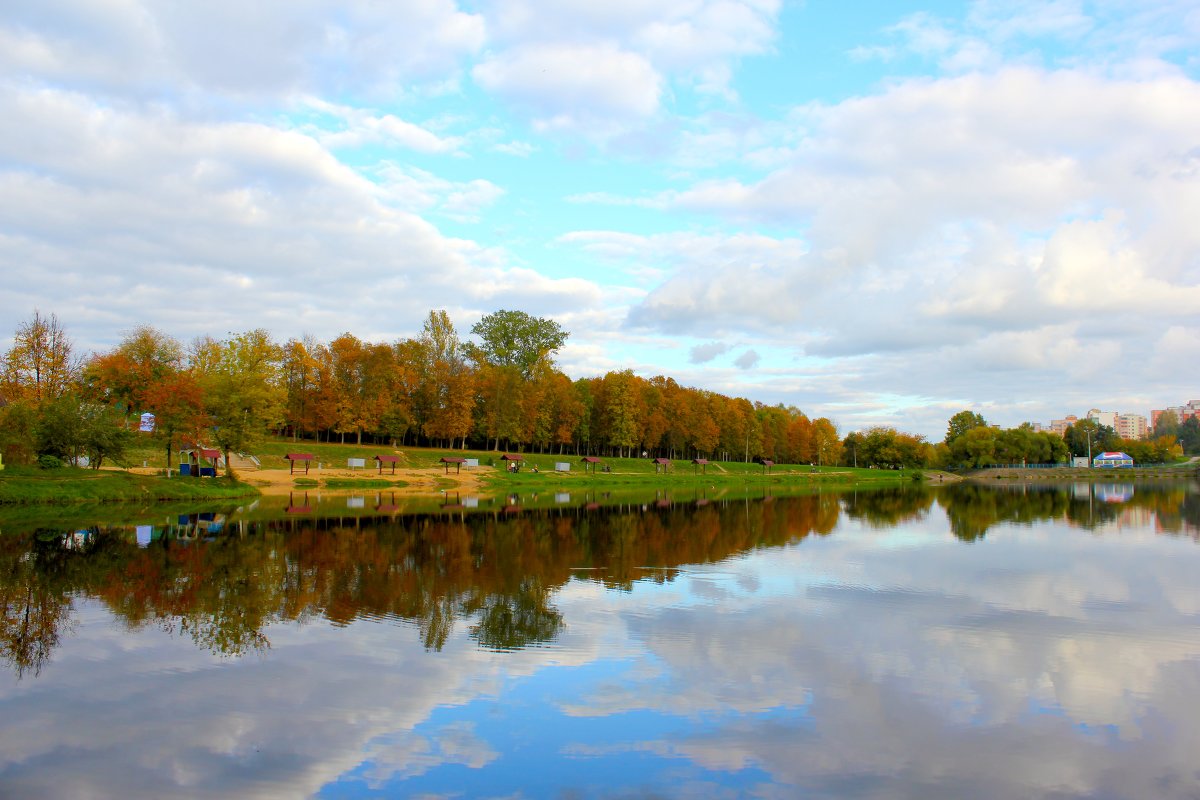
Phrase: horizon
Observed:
(881, 215)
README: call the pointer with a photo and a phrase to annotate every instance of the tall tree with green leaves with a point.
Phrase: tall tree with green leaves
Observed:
(243, 390)
(962, 422)
(514, 348)
(518, 340)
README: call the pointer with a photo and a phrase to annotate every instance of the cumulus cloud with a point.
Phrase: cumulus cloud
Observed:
(244, 49)
(211, 228)
(944, 217)
(598, 69)
(747, 360)
(703, 353)
(566, 86)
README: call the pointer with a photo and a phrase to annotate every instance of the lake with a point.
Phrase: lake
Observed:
(956, 642)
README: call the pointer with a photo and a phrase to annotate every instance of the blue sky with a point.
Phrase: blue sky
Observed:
(881, 213)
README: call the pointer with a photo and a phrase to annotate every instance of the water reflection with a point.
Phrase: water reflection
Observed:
(828, 645)
(222, 585)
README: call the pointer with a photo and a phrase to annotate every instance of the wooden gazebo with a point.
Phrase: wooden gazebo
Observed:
(513, 461)
(387, 459)
(592, 461)
(701, 463)
(455, 460)
(298, 458)
(662, 464)
(767, 464)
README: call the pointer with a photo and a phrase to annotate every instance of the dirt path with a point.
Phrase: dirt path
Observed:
(419, 481)
(430, 480)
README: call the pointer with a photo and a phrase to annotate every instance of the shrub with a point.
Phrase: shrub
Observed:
(50, 462)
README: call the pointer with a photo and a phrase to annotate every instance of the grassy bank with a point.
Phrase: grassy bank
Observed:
(28, 485)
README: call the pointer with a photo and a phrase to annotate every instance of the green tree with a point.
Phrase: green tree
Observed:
(1189, 435)
(1167, 424)
(516, 339)
(1087, 435)
(962, 422)
(243, 392)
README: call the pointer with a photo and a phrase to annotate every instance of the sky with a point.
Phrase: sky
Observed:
(879, 212)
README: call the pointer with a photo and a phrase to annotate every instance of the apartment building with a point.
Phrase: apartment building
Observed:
(1182, 413)
(1127, 426)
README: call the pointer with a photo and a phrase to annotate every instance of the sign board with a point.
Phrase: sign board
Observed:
(356, 502)
(471, 462)
(562, 466)
(1079, 461)
(356, 463)
(146, 423)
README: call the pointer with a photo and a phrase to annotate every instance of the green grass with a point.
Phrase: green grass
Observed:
(21, 485)
(361, 483)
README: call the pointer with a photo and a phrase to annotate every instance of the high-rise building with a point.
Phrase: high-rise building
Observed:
(1131, 426)
(1060, 426)
(1182, 413)
(1105, 418)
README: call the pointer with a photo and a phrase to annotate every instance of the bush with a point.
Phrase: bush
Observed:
(50, 462)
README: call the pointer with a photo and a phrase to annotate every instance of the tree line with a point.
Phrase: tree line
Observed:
(499, 390)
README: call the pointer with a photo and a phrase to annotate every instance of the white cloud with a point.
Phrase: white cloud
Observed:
(270, 48)
(567, 86)
(207, 228)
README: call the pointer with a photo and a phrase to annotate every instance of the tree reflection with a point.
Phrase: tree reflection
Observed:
(888, 507)
(496, 573)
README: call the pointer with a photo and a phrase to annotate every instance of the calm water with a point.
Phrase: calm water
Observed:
(958, 643)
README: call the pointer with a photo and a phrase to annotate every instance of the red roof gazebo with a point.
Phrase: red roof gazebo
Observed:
(387, 459)
(304, 458)
(593, 461)
(455, 460)
(661, 463)
(702, 463)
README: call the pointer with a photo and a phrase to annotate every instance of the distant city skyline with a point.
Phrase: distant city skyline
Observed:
(881, 213)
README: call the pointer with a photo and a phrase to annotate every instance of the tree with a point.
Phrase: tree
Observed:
(448, 383)
(40, 366)
(243, 395)
(975, 447)
(1087, 436)
(1189, 435)
(962, 422)
(516, 339)
(514, 348)
(69, 427)
(1167, 424)
(826, 443)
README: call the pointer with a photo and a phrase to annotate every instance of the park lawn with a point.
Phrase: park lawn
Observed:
(67, 485)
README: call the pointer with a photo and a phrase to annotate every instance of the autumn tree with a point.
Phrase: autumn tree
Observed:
(41, 365)
(243, 393)
(448, 381)
(514, 347)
